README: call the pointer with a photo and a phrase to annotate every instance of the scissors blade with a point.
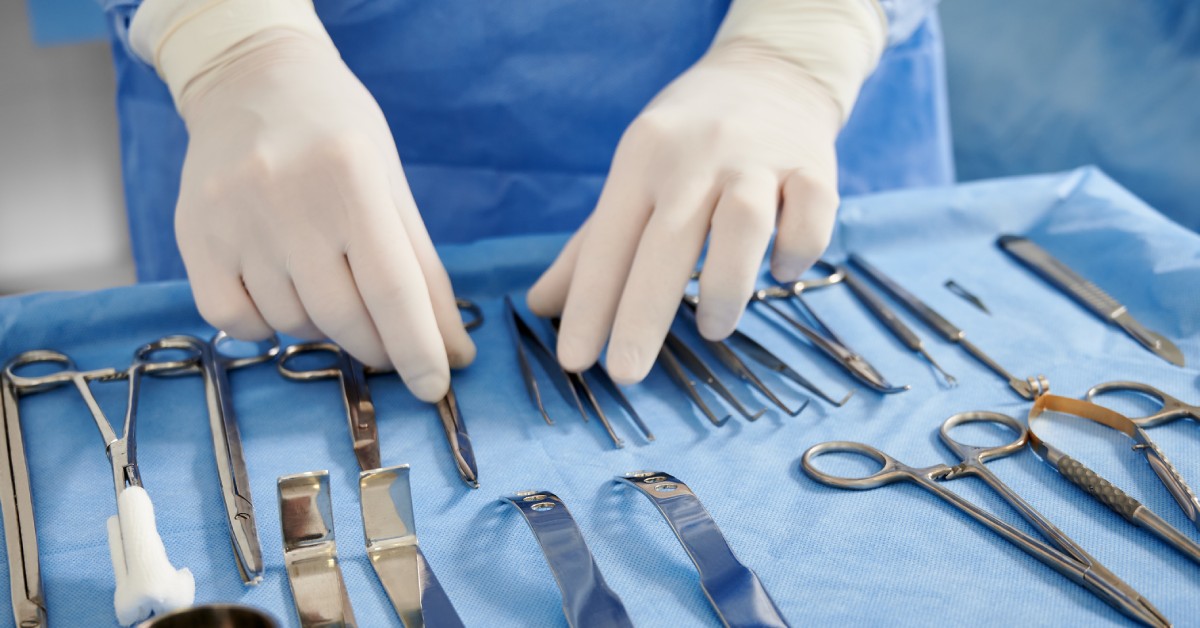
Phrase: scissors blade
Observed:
(458, 439)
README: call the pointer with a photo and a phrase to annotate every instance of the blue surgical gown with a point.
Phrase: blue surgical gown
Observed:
(506, 114)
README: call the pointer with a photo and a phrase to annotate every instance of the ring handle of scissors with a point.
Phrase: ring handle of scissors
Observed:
(267, 350)
(476, 312)
(983, 453)
(67, 373)
(1169, 409)
(832, 275)
(191, 346)
(320, 372)
(891, 470)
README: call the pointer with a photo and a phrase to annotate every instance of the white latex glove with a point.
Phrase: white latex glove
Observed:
(739, 145)
(294, 213)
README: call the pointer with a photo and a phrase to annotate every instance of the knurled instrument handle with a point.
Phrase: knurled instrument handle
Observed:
(1061, 276)
(1099, 488)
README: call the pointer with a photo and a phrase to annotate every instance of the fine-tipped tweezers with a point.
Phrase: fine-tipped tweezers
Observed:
(678, 353)
(524, 335)
(583, 390)
(733, 362)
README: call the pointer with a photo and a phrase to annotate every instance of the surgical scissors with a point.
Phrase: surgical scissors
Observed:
(207, 359)
(1062, 554)
(1169, 408)
(352, 375)
(823, 337)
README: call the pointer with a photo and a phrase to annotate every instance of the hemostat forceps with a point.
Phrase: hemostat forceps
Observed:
(146, 582)
(822, 337)
(352, 375)
(214, 366)
(1059, 553)
(16, 501)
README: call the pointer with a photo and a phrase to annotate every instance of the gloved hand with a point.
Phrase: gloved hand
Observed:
(294, 213)
(740, 144)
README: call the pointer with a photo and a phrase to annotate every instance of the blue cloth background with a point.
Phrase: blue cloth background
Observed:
(506, 114)
(1038, 86)
(894, 555)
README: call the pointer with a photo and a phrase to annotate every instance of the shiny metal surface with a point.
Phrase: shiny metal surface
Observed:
(207, 359)
(943, 327)
(391, 534)
(755, 351)
(587, 599)
(356, 396)
(694, 363)
(458, 439)
(888, 317)
(676, 372)
(1061, 553)
(310, 551)
(1162, 467)
(212, 616)
(956, 289)
(1110, 496)
(16, 503)
(735, 592)
(1088, 295)
(524, 335)
(1169, 408)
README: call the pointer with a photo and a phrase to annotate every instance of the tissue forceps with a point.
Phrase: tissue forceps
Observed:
(352, 376)
(823, 337)
(452, 420)
(1060, 552)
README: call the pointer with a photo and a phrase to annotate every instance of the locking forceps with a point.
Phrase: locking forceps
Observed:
(207, 359)
(352, 375)
(20, 534)
(822, 336)
(1169, 408)
(146, 582)
(1061, 553)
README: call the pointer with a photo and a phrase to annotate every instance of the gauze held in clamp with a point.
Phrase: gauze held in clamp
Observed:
(147, 583)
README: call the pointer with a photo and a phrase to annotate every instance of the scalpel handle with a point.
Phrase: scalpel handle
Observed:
(1062, 277)
(935, 321)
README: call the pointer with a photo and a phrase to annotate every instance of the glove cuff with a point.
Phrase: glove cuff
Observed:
(836, 42)
(184, 39)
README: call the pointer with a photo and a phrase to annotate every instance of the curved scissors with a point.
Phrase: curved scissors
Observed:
(352, 375)
(1061, 554)
(819, 334)
(1169, 408)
